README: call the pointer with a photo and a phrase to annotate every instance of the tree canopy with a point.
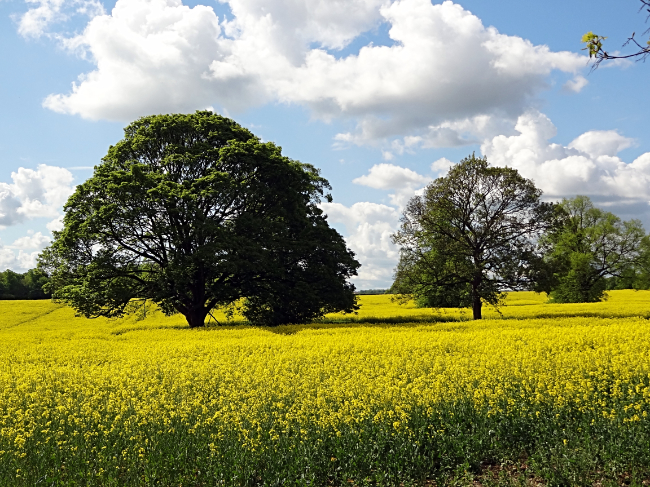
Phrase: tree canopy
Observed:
(471, 236)
(194, 212)
(590, 246)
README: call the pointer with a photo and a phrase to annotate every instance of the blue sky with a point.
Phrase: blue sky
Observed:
(381, 95)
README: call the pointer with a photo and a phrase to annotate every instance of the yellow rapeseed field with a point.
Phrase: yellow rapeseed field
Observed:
(148, 401)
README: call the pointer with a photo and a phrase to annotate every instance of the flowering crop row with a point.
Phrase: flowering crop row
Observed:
(99, 402)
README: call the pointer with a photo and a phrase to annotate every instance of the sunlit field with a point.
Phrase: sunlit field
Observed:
(536, 394)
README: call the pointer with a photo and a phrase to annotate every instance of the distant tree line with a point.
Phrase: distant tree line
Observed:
(23, 286)
(373, 291)
(481, 231)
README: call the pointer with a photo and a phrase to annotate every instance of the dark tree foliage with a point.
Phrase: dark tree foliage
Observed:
(194, 212)
(308, 259)
(471, 236)
(591, 246)
(23, 286)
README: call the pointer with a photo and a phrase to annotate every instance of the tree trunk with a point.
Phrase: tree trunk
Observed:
(196, 317)
(476, 303)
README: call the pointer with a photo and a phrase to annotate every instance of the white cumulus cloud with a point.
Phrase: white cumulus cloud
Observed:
(441, 166)
(404, 181)
(28, 242)
(389, 176)
(598, 143)
(588, 165)
(56, 224)
(34, 193)
(442, 81)
(43, 13)
(152, 56)
(17, 262)
(21, 255)
(369, 227)
(576, 84)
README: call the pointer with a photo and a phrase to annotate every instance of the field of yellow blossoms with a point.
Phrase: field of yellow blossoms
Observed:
(553, 394)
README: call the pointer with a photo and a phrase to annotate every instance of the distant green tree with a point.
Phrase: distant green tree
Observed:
(13, 285)
(4, 293)
(36, 280)
(29, 285)
(470, 237)
(591, 246)
(194, 212)
(373, 291)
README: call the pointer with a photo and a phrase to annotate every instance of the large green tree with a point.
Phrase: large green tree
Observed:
(471, 236)
(591, 246)
(194, 212)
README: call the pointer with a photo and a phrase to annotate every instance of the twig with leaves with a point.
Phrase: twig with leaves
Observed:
(594, 44)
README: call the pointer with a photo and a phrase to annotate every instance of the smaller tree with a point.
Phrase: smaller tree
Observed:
(470, 237)
(590, 246)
